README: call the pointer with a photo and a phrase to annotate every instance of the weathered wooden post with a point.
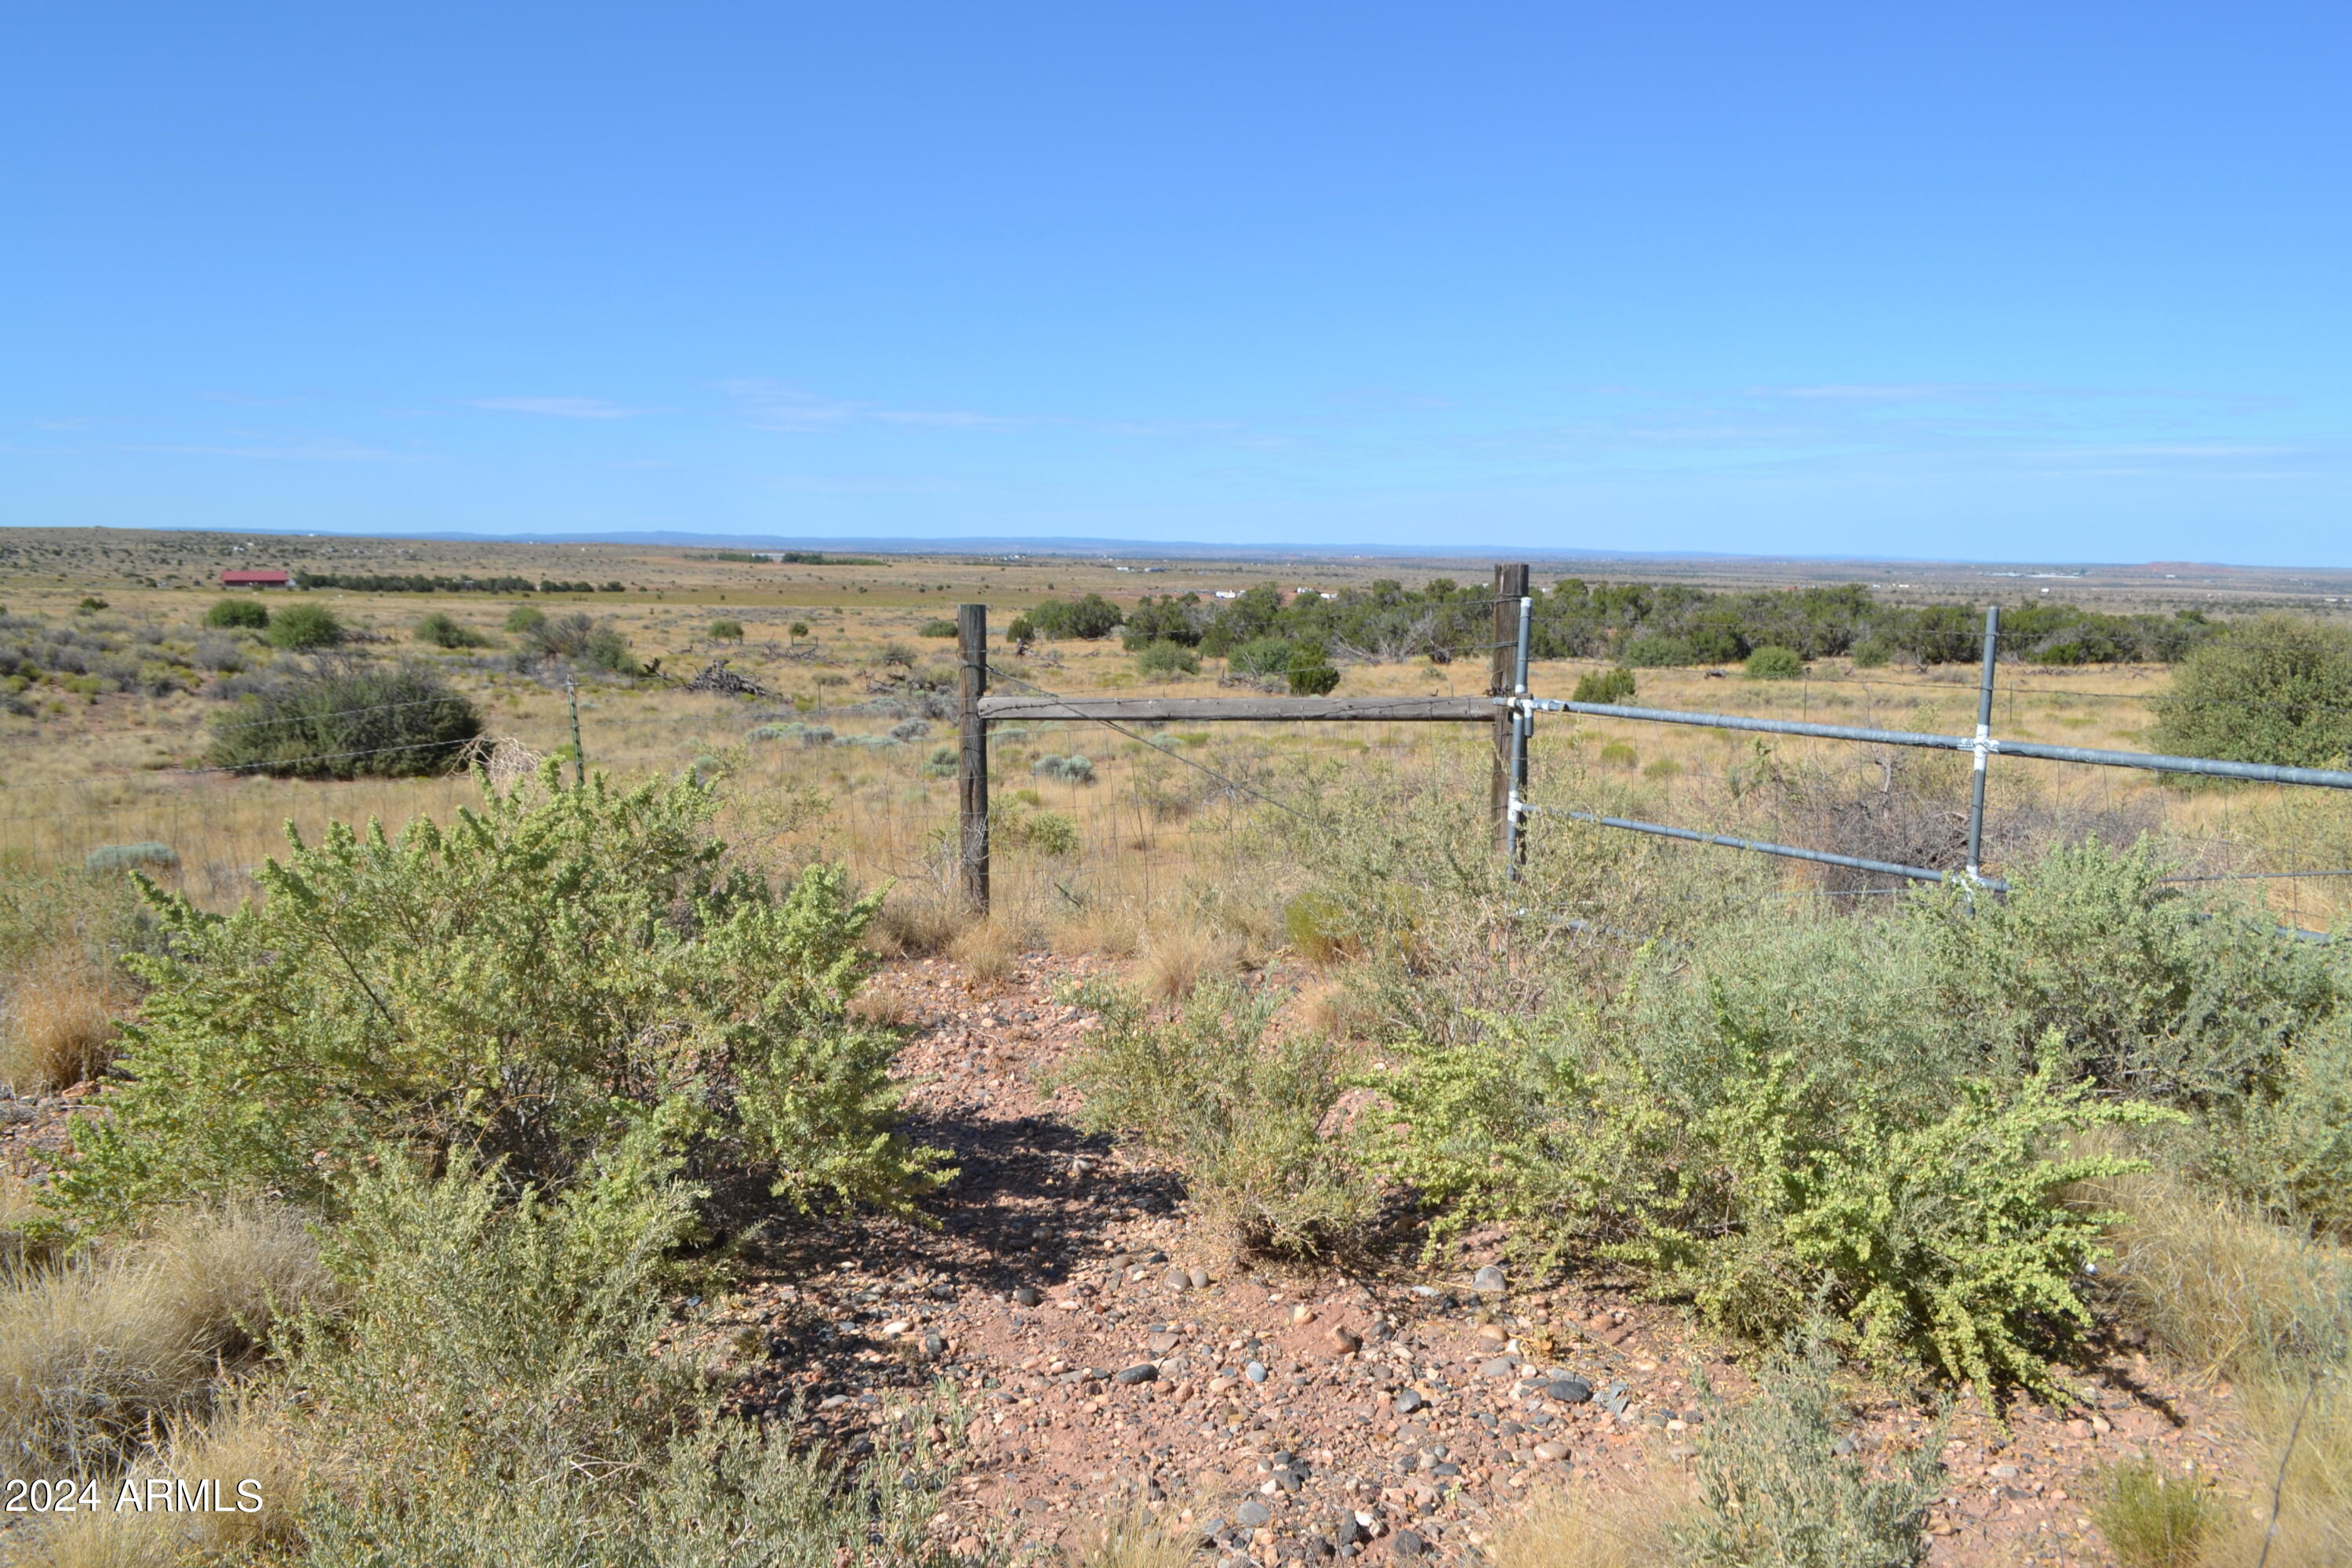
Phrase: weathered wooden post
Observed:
(1502, 675)
(971, 754)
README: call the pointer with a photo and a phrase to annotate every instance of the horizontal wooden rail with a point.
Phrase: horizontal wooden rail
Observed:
(1245, 710)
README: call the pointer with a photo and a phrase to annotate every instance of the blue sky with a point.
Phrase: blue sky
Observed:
(1987, 281)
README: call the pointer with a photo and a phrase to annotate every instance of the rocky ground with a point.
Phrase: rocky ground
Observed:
(1112, 1355)
(1105, 1355)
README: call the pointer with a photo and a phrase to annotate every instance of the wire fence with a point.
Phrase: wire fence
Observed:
(1798, 803)
(1980, 748)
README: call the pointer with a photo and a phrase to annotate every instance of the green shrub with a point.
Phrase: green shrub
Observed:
(1775, 664)
(1604, 686)
(727, 631)
(1759, 1172)
(531, 984)
(1310, 924)
(2292, 1149)
(1263, 655)
(1654, 651)
(1774, 1491)
(576, 636)
(1313, 679)
(796, 631)
(1070, 770)
(523, 617)
(1167, 658)
(2277, 690)
(130, 856)
(1054, 833)
(2152, 1520)
(1022, 632)
(942, 627)
(1237, 1110)
(522, 1334)
(248, 613)
(302, 626)
(2147, 993)
(1870, 654)
(444, 631)
(1945, 1242)
(1088, 618)
(344, 721)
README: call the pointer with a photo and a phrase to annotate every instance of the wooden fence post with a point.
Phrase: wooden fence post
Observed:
(972, 756)
(1510, 587)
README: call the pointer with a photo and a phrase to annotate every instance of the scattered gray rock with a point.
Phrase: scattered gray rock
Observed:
(1026, 1295)
(1410, 1543)
(1254, 1372)
(1501, 1367)
(1253, 1514)
(1488, 1280)
(1176, 1279)
(935, 1346)
(1407, 1401)
(1141, 1372)
(1200, 1278)
(1570, 1390)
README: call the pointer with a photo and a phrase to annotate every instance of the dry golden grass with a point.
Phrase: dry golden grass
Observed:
(1113, 931)
(244, 1447)
(1132, 1541)
(2231, 1295)
(915, 921)
(101, 1540)
(1177, 958)
(94, 1352)
(989, 950)
(1587, 1527)
(59, 1025)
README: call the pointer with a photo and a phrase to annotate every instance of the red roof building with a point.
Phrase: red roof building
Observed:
(256, 580)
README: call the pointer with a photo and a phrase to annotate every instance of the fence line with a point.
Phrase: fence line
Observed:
(2259, 773)
(1513, 707)
(1982, 746)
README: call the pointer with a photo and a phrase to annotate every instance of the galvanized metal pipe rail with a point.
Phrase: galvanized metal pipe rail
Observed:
(1787, 851)
(2258, 773)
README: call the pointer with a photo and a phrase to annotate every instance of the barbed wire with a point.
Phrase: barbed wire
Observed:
(1145, 740)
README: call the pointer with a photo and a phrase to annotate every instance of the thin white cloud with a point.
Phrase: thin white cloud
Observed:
(2183, 449)
(303, 452)
(1870, 392)
(557, 408)
(773, 405)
